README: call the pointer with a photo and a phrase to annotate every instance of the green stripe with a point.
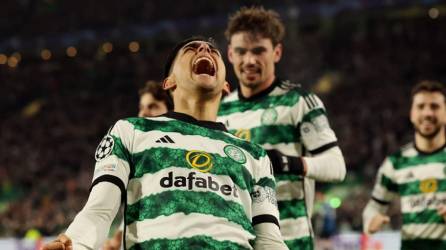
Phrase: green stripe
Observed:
(292, 209)
(287, 177)
(304, 243)
(400, 162)
(423, 217)
(267, 182)
(389, 184)
(289, 99)
(273, 134)
(120, 150)
(196, 242)
(185, 128)
(308, 117)
(419, 244)
(187, 202)
(412, 188)
(155, 159)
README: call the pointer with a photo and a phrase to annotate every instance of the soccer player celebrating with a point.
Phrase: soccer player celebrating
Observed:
(417, 174)
(187, 183)
(286, 120)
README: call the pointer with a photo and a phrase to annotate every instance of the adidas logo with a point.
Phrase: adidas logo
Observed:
(165, 139)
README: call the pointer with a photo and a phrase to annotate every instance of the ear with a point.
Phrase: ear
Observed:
(230, 53)
(226, 88)
(277, 52)
(169, 83)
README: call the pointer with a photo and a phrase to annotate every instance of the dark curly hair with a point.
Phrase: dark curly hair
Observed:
(257, 21)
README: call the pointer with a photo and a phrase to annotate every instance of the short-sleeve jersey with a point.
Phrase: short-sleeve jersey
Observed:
(419, 180)
(188, 184)
(286, 118)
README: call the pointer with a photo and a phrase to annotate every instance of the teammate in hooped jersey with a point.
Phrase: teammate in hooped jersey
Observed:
(150, 163)
(286, 120)
(417, 174)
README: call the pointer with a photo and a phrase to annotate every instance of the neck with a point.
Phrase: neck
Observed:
(203, 109)
(248, 91)
(430, 144)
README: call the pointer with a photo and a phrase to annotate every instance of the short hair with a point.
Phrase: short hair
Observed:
(429, 86)
(257, 21)
(173, 53)
(156, 90)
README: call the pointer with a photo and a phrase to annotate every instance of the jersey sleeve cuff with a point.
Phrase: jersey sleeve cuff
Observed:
(323, 148)
(265, 218)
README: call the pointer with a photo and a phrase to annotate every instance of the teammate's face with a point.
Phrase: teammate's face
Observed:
(198, 65)
(253, 59)
(428, 113)
(149, 106)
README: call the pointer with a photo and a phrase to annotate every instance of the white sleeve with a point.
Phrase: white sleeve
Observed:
(91, 225)
(373, 208)
(328, 166)
(384, 191)
(268, 237)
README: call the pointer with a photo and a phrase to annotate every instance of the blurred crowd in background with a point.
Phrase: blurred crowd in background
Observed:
(56, 105)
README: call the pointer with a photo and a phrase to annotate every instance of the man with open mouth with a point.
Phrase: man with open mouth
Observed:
(187, 183)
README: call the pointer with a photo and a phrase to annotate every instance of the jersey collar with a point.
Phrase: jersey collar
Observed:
(189, 119)
(429, 153)
(259, 95)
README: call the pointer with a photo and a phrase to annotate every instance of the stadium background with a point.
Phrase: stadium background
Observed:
(70, 69)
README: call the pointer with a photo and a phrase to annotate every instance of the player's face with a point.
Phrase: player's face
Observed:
(428, 113)
(253, 59)
(149, 106)
(199, 65)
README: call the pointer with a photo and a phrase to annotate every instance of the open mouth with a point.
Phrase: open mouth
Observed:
(203, 65)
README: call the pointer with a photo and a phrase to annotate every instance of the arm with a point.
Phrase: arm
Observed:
(268, 237)
(328, 166)
(264, 209)
(326, 162)
(383, 193)
(90, 227)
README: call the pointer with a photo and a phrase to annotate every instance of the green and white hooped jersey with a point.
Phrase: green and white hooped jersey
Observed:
(419, 179)
(188, 184)
(285, 118)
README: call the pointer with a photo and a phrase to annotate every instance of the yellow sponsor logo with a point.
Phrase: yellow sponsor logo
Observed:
(429, 186)
(199, 160)
(244, 134)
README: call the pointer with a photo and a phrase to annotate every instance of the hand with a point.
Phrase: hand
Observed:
(113, 243)
(61, 243)
(377, 222)
(286, 164)
(441, 210)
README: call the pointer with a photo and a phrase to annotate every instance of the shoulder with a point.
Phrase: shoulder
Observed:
(406, 151)
(253, 149)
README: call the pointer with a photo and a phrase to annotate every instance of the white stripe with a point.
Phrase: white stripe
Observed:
(420, 202)
(289, 190)
(424, 231)
(149, 184)
(159, 118)
(420, 172)
(294, 228)
(180, 225)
